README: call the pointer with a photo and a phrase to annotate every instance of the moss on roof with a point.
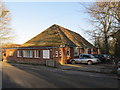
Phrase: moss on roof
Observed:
(9, 45)
(57, 35)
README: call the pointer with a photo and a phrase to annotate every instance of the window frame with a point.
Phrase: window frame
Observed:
(19, 53)
(56, 54)
(28, 53)
(11, 53)
(46, 52)
(60, 53)
(76, 52)
(37, 53)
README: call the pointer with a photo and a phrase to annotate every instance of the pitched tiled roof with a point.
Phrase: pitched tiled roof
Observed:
(57, 35)
(10, 45)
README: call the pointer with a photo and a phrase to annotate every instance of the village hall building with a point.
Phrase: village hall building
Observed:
(55, 43)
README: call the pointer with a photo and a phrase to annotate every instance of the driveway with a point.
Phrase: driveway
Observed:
(98, 68)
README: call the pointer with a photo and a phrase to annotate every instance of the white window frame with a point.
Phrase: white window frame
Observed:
(37, 53)
(11, 53)
(24, 53)
(46, 54)
(76, 52)
(28, 53)
(60, 53)
(18, 53)
(56, 53)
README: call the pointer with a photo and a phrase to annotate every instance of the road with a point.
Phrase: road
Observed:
(31, 76)
(0, 75)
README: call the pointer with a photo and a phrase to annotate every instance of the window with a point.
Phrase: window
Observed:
(75, 52)
(60, 53)
(28, 53)
(88, 56)
(46, 54)
(19, 53)
(37, 53)
(11, 53)
(68, 52)
(56, 54)
(82, 50)
(89, 51)
(4, 54)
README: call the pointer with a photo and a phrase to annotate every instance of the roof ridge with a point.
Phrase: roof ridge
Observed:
(59, 30)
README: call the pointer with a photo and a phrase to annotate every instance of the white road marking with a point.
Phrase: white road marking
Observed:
(104, 76)
(95, 75)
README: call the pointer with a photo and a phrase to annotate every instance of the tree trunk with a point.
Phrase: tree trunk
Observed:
(106, 47)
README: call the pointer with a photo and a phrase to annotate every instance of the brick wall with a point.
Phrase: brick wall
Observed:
(22, 59)
(53, 56)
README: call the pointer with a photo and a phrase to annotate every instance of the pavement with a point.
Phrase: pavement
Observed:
(97, 68)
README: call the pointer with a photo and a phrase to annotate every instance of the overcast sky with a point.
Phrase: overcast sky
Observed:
(31, 18)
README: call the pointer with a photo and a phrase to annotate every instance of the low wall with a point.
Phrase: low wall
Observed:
(41, 62)
(51, 63)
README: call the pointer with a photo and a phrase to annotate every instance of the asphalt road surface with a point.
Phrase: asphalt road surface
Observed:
(0, 75)
(31, 76)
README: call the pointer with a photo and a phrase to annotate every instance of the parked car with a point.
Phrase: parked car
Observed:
(85, 58)
(118, 68)
(102, 57)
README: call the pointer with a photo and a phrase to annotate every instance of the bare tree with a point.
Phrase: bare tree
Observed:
(115, 10)
(6, 33)
(104, 15)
